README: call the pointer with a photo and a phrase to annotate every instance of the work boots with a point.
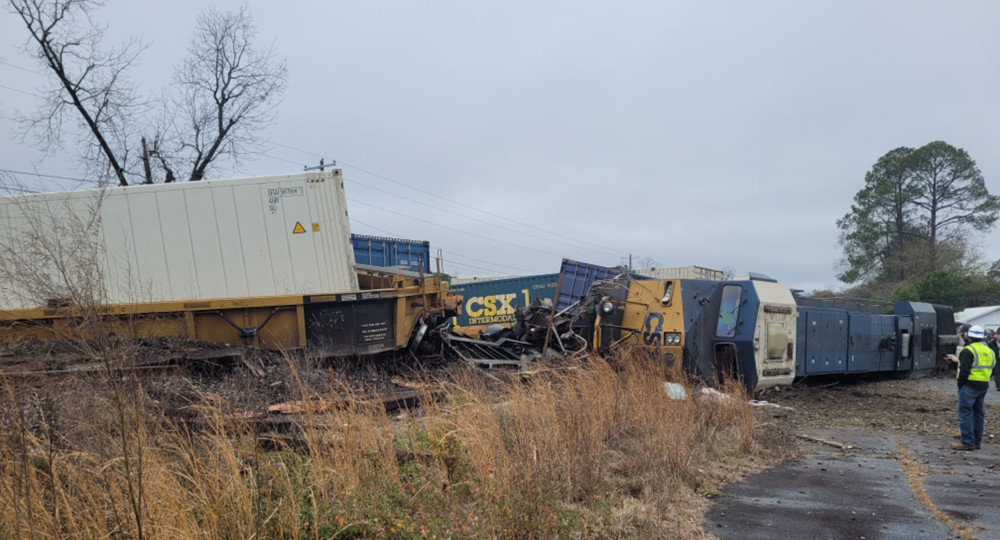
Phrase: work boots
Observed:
(962, 447)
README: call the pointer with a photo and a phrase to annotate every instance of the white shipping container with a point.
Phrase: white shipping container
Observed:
(683, 272)
(213, 239)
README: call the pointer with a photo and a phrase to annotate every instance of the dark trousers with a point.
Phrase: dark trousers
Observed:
(971, 415)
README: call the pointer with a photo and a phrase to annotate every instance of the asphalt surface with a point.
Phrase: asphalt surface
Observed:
(863, 492)
(949, 387)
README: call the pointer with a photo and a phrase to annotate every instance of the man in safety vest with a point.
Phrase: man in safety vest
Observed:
(975, 365)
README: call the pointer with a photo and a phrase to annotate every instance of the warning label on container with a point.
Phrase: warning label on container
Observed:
(298, 229)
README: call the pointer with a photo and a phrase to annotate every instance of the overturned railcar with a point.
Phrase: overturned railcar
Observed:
(744, 329)
(754, 329)
(851, 336)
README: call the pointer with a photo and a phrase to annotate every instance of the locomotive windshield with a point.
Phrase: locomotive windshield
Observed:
(729, 311)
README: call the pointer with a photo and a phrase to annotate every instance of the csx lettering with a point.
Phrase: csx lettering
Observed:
(480, 306)
(651, 333)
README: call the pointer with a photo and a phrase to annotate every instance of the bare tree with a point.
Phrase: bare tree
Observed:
(222, 95)
(225, 93)
(646, 263)
(85, 78)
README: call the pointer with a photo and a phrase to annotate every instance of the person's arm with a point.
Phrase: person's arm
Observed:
(965, 359)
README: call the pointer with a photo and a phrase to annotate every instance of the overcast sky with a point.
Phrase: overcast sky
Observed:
(708, 133)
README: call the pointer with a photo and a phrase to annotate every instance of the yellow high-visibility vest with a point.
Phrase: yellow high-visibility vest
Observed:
(983, 361)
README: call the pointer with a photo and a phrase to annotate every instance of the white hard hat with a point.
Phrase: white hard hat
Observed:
(977, 332)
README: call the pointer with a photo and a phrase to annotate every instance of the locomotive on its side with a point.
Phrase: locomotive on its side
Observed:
(755, 329)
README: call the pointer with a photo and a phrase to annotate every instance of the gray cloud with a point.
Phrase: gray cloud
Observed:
(710, 133)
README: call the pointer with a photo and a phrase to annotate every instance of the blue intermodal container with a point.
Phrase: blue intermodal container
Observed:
(577, 277)
(493, 302)
(381, 251)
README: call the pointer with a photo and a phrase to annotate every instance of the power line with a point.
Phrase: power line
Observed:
(20, 190)
(482, 220)
(453, 254)
(282, 159)
(19, 91)
(506, 218)
(491, 270)
(435, 195)
(8, 64)
(454, 229)
(376, 228)
(293, 148)
(46, 175)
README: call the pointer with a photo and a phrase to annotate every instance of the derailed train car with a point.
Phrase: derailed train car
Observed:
(744, 329)
(263, 262)
(850, 336)
(753, 329)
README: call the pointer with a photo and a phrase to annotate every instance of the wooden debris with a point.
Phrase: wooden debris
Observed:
(399, 400)
(259, 373)
(299, 407)
(200, 354)
(834, 444)
(86, 369)
(413, 384)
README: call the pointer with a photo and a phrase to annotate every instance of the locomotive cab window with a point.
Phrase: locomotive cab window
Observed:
(729, 311)
(668, 292)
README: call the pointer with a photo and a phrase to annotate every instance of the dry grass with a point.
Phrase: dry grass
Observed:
(591, 452)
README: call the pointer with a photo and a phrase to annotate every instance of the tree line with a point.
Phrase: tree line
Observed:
(913, 230)
(221, 96)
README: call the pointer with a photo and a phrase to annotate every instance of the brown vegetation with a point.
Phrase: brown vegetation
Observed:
(595, 451)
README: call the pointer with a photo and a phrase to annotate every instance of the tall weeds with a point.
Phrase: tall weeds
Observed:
(554, 455)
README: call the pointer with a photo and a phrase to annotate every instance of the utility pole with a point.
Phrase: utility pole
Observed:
(321, 166)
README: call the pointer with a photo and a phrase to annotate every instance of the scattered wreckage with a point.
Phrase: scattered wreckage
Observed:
(538, 331)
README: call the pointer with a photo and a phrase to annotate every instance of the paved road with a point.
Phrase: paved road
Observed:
(864, 493)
